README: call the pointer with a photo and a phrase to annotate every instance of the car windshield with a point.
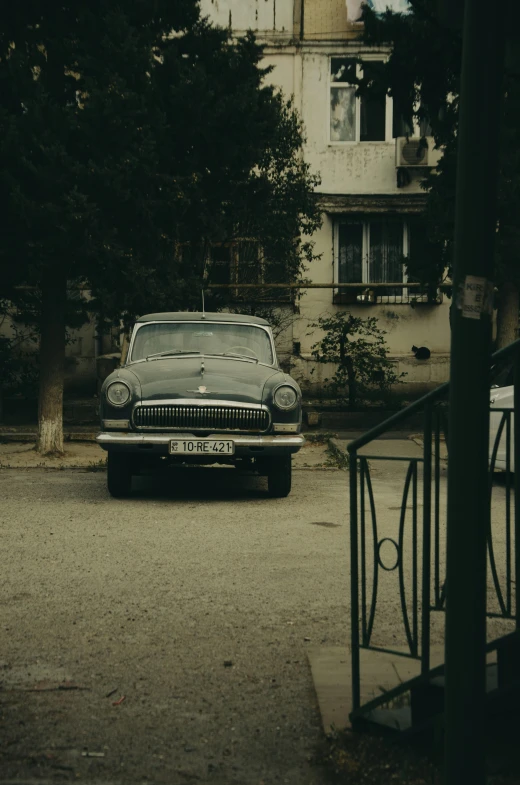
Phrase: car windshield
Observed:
(202, 338)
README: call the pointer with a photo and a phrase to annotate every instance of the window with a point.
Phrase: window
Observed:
(242, 262)
(371, 250)
(231, 263)
(221, 263)
(352, 118)
(342, 100)
(248, 262)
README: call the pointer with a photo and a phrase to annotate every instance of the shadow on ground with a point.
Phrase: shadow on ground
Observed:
(373, 758)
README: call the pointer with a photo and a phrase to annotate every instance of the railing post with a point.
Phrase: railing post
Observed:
(426, 543)
(516, 437)
(354, 584)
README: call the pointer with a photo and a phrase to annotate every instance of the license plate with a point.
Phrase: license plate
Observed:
(202, 447)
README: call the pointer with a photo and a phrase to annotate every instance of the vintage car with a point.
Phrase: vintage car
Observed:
(200, 388)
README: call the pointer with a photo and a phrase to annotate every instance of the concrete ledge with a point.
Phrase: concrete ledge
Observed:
(332, 675)
(322, 414)
(25, 434)
(337, 448)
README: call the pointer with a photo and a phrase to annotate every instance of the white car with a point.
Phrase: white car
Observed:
(501, 398)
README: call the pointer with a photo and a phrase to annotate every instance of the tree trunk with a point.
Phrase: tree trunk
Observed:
(52, 356)
(352, 385)
(507, 314)
(346, 362)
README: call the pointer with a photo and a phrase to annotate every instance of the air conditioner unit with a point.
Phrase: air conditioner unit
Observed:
(411, 151)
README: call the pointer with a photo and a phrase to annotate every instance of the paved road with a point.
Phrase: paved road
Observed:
(193, 602)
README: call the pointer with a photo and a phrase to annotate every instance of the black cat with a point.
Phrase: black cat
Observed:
(421, 352)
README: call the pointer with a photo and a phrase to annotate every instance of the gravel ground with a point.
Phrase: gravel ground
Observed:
(195, 604)
(163, 638)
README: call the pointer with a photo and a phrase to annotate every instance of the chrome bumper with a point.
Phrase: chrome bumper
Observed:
(159, 442)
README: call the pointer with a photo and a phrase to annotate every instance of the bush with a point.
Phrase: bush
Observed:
(358, 348)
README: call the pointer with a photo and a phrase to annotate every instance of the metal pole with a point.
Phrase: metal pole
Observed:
(468, 497)
(354, 585)
(426, 543)
(516, 448)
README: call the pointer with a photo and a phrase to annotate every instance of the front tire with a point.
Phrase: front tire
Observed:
(119, 475)
(279, 477)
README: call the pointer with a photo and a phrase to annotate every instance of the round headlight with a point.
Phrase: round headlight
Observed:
(285, 397)
(118, 393)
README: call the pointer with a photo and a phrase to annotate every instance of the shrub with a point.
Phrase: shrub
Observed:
(358, 348)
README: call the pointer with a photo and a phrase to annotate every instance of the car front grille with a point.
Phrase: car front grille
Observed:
(201, 418)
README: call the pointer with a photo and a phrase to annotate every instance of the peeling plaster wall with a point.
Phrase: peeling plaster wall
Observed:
(283, 73)
(348, 167)
(357, 168)
(302, 71)
(263, 16)
(328, 19)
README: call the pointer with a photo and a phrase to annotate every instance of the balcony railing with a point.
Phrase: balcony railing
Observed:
(392, 293)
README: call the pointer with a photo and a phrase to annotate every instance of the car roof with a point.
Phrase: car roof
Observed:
(197, 316)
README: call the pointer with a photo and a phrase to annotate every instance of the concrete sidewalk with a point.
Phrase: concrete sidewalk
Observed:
(408, 447)
(78, 455)
(29, 433)
(322, 450)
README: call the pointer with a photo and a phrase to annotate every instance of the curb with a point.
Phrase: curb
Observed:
(340, 455)
(31, 436)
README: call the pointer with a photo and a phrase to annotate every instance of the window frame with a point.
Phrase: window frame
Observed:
(365, 258)
(389, 138)
(234, 262)
(245, 295)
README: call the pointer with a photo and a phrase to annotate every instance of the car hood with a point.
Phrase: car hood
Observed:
(224, 378)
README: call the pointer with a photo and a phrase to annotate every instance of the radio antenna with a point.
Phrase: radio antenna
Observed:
(203, 311)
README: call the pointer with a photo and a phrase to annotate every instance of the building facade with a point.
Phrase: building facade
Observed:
(371, 167)
(370, 196)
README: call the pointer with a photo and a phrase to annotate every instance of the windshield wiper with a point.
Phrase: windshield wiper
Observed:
(171, 352)
(242, 356)
(233, 354)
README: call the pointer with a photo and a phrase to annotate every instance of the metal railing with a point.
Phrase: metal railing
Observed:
(391, 293)
(418, 558)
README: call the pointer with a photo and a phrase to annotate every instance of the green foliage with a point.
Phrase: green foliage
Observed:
(129, 131)
(358, 348)
(280, 318)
